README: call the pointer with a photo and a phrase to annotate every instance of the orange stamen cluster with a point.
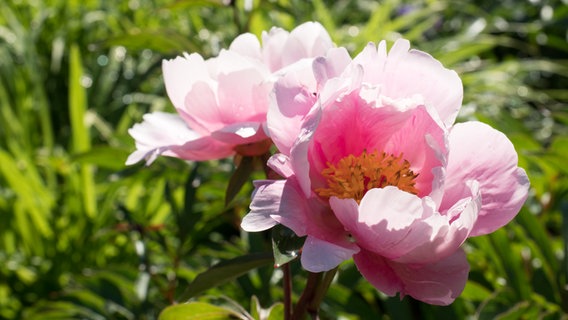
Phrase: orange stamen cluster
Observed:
(353, 175)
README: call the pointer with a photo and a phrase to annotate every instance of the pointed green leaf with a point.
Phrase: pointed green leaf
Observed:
(197, 311)
(276, 312)
(239, 178)
(286, 245)
(187, 218)
(255, 308)
(226, 271)
(81, 138)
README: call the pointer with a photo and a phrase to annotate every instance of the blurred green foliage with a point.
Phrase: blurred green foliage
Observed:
(83, 236)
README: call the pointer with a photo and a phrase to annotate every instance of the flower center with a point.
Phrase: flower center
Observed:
(353, 176)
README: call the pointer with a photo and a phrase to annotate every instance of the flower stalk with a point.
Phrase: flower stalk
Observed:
(314, 292)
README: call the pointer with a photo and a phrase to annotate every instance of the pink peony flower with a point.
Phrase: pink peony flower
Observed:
(222, 102)
(374, 169)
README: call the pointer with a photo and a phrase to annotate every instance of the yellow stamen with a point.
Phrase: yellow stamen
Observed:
(353, 176)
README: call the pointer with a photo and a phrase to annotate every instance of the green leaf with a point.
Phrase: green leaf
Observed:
(511, 263)
(187, 218)
(81, 139)
(197, 311)
(103, 156)
(275, 312)
(226, 271)
(255, 308)
(286, 245)
(475, 292)
(239, 178)
(77, 103)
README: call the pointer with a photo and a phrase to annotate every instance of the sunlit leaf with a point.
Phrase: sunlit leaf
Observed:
(81, 140)
(197, 311)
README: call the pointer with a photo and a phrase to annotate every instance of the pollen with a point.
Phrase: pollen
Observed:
(353, 175)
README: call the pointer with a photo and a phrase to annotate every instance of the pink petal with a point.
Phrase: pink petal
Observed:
(157, 134)
(204, 148)
(240, 133)
(246, 44)
(422, 142)
(407, 73)
(299, 151)
(479, 152)
(373, 59)
(447, 233)
(293, 98)
(387, 221)
(229, 61)
(280, 201)
(243, 96)
(307, 40)
(265, 204)
(180, 74)
(272, 44)
(336, 76)
(331, 65)
(337, 136)
(404, 228)
(384, 129)
(201, 109)
(320, 256)
(378, 272)
(280, 163)
(438, 283)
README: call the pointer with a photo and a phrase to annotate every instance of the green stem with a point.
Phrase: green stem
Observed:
(564, 294)
(321, 291)
(287, 291)
(302, 306)
(316, 288)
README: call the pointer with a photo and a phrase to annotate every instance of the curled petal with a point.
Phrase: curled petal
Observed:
(176, 78)
(272, 44)
(277, 201)
(240, 133)
(281, 164)
(204, 148)
(309, 39)
(293, 99)
(331, 65)
(479, 152)
(248, 45)
(405, 73)
(299, 151)
(158, 134)
(320, 256)
(386, 222)
(438, 283)
(404, 228)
